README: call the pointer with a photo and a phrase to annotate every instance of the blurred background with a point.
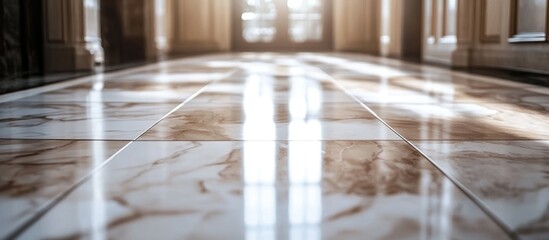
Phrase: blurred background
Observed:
(52, 40)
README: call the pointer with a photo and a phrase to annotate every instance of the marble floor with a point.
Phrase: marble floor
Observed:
(276, 146)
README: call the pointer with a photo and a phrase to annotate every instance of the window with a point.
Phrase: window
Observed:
(305, 20)
(258, 19)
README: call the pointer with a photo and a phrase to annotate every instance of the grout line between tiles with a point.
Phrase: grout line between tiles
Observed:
(84, 102)
(44, 209)
(65, 139)
(273, 140)
(365, 102)
(59, 197)
(267, 140)
(479, 140)
(458, 184)
(201, 90)
(458, 102)
(335, 140)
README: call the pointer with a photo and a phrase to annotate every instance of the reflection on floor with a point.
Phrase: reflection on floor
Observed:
(276, 146)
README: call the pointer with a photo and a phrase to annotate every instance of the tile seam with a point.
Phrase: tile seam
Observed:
(45, 208)
(458, 184)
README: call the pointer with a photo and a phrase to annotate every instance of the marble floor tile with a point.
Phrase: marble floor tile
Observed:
(389, 68)
(183, 87)
(111, 96)
(278, 146)
(261, 119)
(465, 80)
(311, 76)
(423, 81)
(283, 90)
(243, 82)
(163, 77)
(79, 120)
(412, 76)
(136, 88)
(181, 72)
(503, 95)
(267, 190)
(464, 121)
(430, 93)
(147, 92)
(228, 97)
(33, 173)
(509, 177)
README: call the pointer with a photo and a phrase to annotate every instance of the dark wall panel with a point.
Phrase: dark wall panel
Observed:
(10, 60)
(123, 31)
(412, 29)
(20, 43)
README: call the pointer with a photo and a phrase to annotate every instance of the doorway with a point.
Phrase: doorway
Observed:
(282, 25)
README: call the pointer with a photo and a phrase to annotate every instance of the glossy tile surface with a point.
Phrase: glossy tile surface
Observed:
(33, 173)
(462, 121)
(510, 177)
(412, 90)
(140, 88)
(277, 146)
(488, 135)
(268, 190)
(78, 120)
(272, 104)
(270, 122)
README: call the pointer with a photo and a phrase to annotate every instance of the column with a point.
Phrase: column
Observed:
(64, 37)
(464, 34)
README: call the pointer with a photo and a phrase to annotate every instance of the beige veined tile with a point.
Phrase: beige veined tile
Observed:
(509, 177)
(79, 120)
(32, 173)
(267, 189)
(256, 120)
(465, 121)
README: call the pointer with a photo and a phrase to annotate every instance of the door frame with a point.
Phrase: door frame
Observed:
(282, 42)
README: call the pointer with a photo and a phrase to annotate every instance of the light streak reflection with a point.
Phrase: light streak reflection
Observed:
(305, 159)
(98, 206)
(259, 159)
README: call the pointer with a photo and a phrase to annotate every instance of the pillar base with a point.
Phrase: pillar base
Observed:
(461, 58)
(67, 58)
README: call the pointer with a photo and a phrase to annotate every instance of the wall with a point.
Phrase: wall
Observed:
(479, 33)
(356, 26)
(400, 29)
(493, 44)
(20, 38)
(20, 43)
(10, 44)
(199, 26)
